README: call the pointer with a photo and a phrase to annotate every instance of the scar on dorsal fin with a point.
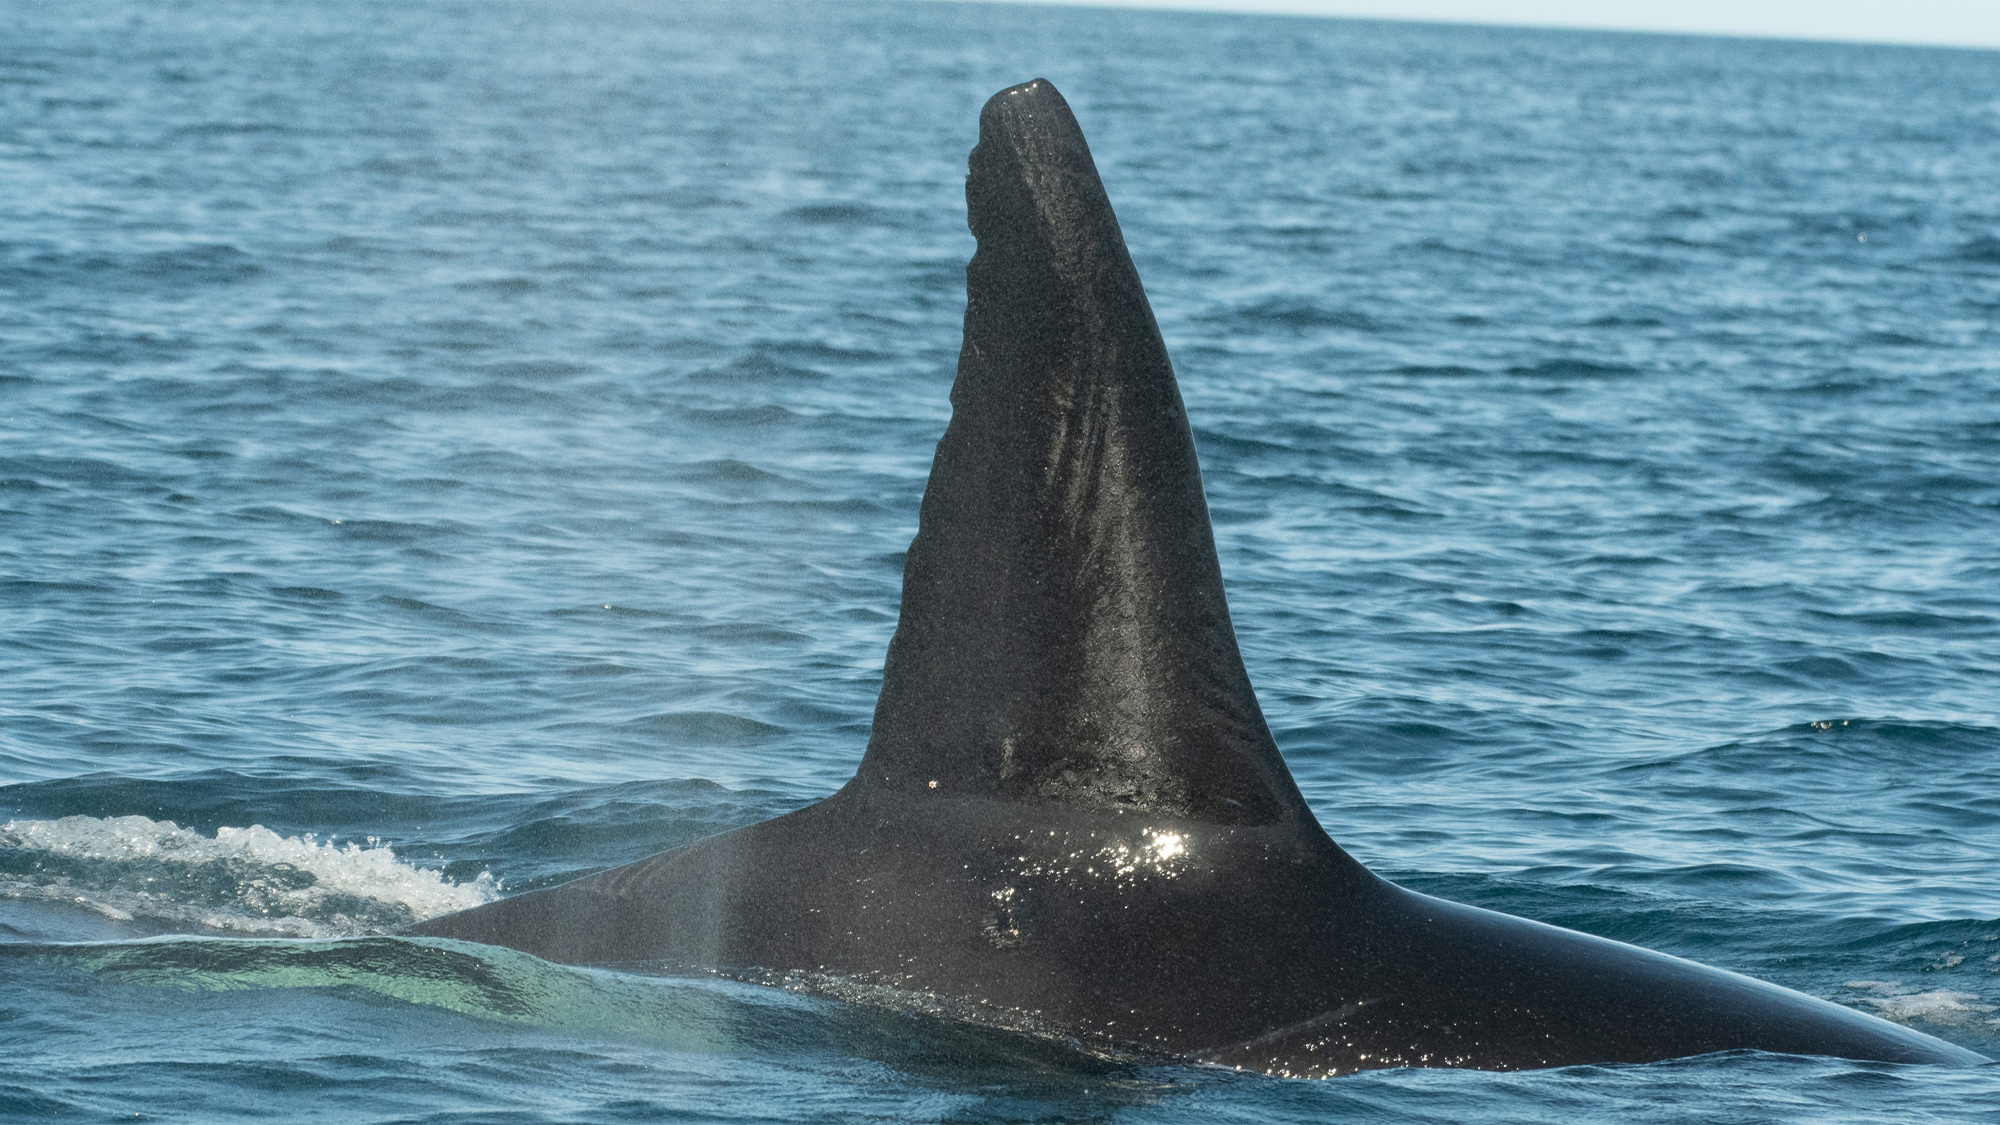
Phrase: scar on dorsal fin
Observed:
(1064, 635)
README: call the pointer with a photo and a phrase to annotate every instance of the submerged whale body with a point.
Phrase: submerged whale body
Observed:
(1071, 814)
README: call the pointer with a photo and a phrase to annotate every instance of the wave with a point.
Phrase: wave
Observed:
(252, 881)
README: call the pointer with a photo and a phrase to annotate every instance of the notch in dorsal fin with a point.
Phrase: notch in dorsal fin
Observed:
(1064, 636)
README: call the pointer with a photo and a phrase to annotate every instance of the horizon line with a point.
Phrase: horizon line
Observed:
(1836, 23)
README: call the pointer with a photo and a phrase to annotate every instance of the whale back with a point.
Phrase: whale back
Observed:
(1064, 636)
(1071, 816)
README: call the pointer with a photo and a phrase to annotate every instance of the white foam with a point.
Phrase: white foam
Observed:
(243, 880)
(1940, 1005)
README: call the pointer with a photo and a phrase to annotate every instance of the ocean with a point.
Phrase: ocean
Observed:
(449, 448)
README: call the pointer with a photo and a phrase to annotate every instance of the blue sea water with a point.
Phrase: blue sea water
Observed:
(447, 448)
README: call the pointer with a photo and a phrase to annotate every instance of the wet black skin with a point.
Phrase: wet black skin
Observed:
(1070, 811)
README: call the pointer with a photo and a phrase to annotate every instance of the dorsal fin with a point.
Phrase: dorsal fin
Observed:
(1064, 635)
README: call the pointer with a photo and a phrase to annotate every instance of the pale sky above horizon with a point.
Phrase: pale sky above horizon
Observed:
(1956, 23)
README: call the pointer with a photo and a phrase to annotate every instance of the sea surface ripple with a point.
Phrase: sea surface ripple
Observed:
(448, 448)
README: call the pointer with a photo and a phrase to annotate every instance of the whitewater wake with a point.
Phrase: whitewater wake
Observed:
(246, 881)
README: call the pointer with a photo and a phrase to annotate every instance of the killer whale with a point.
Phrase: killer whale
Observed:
(1070, 813)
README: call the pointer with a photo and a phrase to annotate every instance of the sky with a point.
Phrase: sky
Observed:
(1958, 23)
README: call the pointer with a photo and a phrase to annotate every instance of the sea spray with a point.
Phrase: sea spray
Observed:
(240, 880)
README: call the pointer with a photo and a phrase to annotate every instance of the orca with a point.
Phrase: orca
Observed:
(1070, 815)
